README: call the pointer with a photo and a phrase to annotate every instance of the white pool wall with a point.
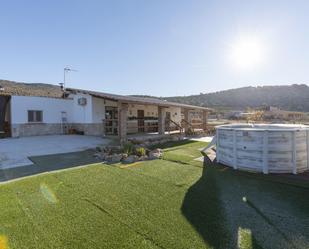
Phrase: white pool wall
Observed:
(267, 148)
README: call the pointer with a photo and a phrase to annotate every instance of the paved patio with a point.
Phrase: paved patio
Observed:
(206, 139)
(14, 152)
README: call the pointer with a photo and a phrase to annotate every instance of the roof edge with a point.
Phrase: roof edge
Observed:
(131, 99)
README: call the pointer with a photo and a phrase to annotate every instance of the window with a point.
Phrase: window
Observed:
(35, 116)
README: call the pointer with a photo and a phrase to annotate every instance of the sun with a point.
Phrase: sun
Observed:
(247, 53)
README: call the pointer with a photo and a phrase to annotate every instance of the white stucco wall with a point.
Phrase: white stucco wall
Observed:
(51, 108)
(175, 113)
(152, 111)
(82, 113)
(91, 114)
(149, 110)
(98, 108)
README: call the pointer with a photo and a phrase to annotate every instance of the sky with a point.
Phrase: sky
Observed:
(155, 47)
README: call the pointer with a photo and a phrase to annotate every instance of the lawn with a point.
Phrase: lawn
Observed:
(169, 203)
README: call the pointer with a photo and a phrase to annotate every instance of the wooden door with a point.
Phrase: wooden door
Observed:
(141, 120)
(111, 120)
(167, 120)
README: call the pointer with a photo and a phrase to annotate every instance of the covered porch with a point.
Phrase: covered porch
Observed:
(130, 116)
(131, 121)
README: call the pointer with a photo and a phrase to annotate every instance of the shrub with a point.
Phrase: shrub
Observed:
(140, 151)
(128, 148)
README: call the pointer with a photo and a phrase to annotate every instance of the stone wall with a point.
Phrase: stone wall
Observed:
(41, 129)
(38, 129)
(96, 129)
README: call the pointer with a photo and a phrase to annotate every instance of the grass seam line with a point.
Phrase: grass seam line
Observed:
(47, 172)
(99, 207)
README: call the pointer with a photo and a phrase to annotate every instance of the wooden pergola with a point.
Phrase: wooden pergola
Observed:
(123, 111)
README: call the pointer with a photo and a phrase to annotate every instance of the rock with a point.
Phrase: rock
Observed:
(116, 158)
(130, 159)
(155, 154)
(114, 149)
(111, 149)
(142, 145)
(135, 141)
(143, 158)
(108, 158)
(146, 144)
(97, 155)
(157, 150)
(100, 155)
(124, 156)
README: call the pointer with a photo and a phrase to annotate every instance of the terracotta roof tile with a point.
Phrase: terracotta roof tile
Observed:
(53, 91)
(26, 89)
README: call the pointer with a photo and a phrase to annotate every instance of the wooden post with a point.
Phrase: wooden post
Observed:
(122, 122)
(103, 127)
(186, 118)
(204, 120)
(161, 120)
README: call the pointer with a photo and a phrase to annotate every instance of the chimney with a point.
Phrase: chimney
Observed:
(62, 86)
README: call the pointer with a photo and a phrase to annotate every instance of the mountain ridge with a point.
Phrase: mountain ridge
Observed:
(289, 97)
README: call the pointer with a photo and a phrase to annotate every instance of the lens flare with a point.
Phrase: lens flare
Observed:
(4, 242)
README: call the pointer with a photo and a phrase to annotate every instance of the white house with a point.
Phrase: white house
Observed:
(38, 109)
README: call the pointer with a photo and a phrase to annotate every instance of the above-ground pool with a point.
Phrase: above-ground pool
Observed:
(267, 148)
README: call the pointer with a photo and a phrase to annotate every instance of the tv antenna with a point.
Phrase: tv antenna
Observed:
(65, 71)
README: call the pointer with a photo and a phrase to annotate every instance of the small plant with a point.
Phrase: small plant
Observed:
(128, 148)
(140, 151)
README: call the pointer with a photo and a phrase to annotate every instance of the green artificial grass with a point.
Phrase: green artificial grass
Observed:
(185, 152)
(169, 203)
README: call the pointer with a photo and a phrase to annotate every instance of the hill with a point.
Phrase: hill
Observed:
(289, 97)
(29, 89)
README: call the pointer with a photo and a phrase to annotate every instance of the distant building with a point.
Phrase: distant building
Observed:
(275, 113)
(239, 115)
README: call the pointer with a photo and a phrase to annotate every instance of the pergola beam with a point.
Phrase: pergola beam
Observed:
(122, 122)
(204, 120)
(186, 118)
(161, 120)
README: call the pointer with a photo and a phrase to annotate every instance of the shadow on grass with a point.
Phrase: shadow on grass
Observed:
(49, 163)
(203, 208)
(266, 219)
